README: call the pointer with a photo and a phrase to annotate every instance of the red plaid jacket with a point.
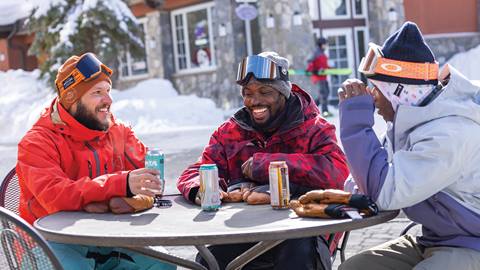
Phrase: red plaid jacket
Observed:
(308, 146)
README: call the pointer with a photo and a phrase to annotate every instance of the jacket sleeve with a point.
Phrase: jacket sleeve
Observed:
(413, 175)
(214, 153)
(39, 170)
(135, 151)
(324, 166)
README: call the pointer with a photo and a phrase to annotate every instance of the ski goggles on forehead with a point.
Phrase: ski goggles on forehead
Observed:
(261, 68)
(374, 63)
(87, 68)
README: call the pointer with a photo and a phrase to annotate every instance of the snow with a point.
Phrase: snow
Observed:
(11, 11)
(467, 63)
(152, 106)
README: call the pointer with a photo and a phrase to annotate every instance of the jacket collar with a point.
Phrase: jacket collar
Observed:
(60, 120)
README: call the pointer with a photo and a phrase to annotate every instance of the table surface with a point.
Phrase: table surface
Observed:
(185, 224)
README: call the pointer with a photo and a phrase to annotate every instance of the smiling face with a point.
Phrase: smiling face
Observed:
(262, 101)
(93, 109)
(384, 106)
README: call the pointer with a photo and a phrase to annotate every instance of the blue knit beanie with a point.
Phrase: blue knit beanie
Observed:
(407, 44)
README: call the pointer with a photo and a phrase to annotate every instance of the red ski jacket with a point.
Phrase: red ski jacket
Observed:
(62, 165)
(307, 144)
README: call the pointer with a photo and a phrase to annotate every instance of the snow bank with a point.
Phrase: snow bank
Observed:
(467, 63)
(154, 106)
(150, 107)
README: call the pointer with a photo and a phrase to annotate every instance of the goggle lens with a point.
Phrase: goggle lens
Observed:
(89, 65)
(260, 68)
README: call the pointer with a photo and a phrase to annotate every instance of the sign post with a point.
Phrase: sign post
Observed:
(247, 12)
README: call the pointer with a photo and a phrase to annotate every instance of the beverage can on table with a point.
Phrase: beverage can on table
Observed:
(209, 189)
(155, 159)
(279, 184)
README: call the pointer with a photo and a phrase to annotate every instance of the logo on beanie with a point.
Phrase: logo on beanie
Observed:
(68, 81)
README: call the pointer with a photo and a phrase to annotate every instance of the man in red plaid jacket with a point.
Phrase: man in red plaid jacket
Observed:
(280, 122)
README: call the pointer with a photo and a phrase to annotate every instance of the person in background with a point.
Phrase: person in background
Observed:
(318, 63)
(77, 157)
(428, 162)
(279, 122)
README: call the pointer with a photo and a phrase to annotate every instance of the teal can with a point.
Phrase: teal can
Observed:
(155, 159)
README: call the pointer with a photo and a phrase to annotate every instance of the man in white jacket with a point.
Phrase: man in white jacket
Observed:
(429, 162)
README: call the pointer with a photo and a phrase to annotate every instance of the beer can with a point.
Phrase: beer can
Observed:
(279, 184)
(155, 159)
(209, 188)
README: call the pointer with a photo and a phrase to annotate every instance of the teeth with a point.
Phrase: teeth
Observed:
(260, 110)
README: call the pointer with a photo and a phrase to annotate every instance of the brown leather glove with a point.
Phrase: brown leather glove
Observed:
(326, 196)
(309, 209)
(235, 192)
(257, 195)
(233, 196)
(253, 197)
(123, 205)
(97, 207)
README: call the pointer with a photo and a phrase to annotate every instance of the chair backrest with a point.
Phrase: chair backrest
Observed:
(22, 247)
(10, 192)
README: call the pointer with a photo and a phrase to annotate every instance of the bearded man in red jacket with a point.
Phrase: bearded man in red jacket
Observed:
(77, 157)
(280, 122)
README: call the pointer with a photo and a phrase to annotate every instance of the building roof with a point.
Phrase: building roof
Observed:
(11, 11)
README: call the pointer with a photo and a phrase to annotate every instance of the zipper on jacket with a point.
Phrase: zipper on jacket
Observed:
(130, 160)
(106, 170)
(89, 169)
(97, 159)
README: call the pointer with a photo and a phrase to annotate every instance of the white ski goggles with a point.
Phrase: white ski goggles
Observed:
(374, 63)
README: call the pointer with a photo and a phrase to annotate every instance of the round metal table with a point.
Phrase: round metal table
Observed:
(185, 224)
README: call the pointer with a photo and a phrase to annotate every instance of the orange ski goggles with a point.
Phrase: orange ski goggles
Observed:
(374, 63)
(87, 68)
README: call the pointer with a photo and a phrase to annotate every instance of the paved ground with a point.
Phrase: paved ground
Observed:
(359, 239)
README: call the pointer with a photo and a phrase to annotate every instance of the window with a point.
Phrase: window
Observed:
(134, 67)
(359, 8)
(335, 9)
(192, 37)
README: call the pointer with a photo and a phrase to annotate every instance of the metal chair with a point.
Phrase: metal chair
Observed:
(10, 192)
(22, 247)
(337, 246)
(409, 226)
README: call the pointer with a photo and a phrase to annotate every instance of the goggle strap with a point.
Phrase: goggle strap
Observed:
(420, 71)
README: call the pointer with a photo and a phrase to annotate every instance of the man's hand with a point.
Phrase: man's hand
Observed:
(143, 181)
(352, 88)
(247, 168)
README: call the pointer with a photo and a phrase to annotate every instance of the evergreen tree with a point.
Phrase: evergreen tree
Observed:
(73, 27)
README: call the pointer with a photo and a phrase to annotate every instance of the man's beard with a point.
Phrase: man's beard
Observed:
(86, 118)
